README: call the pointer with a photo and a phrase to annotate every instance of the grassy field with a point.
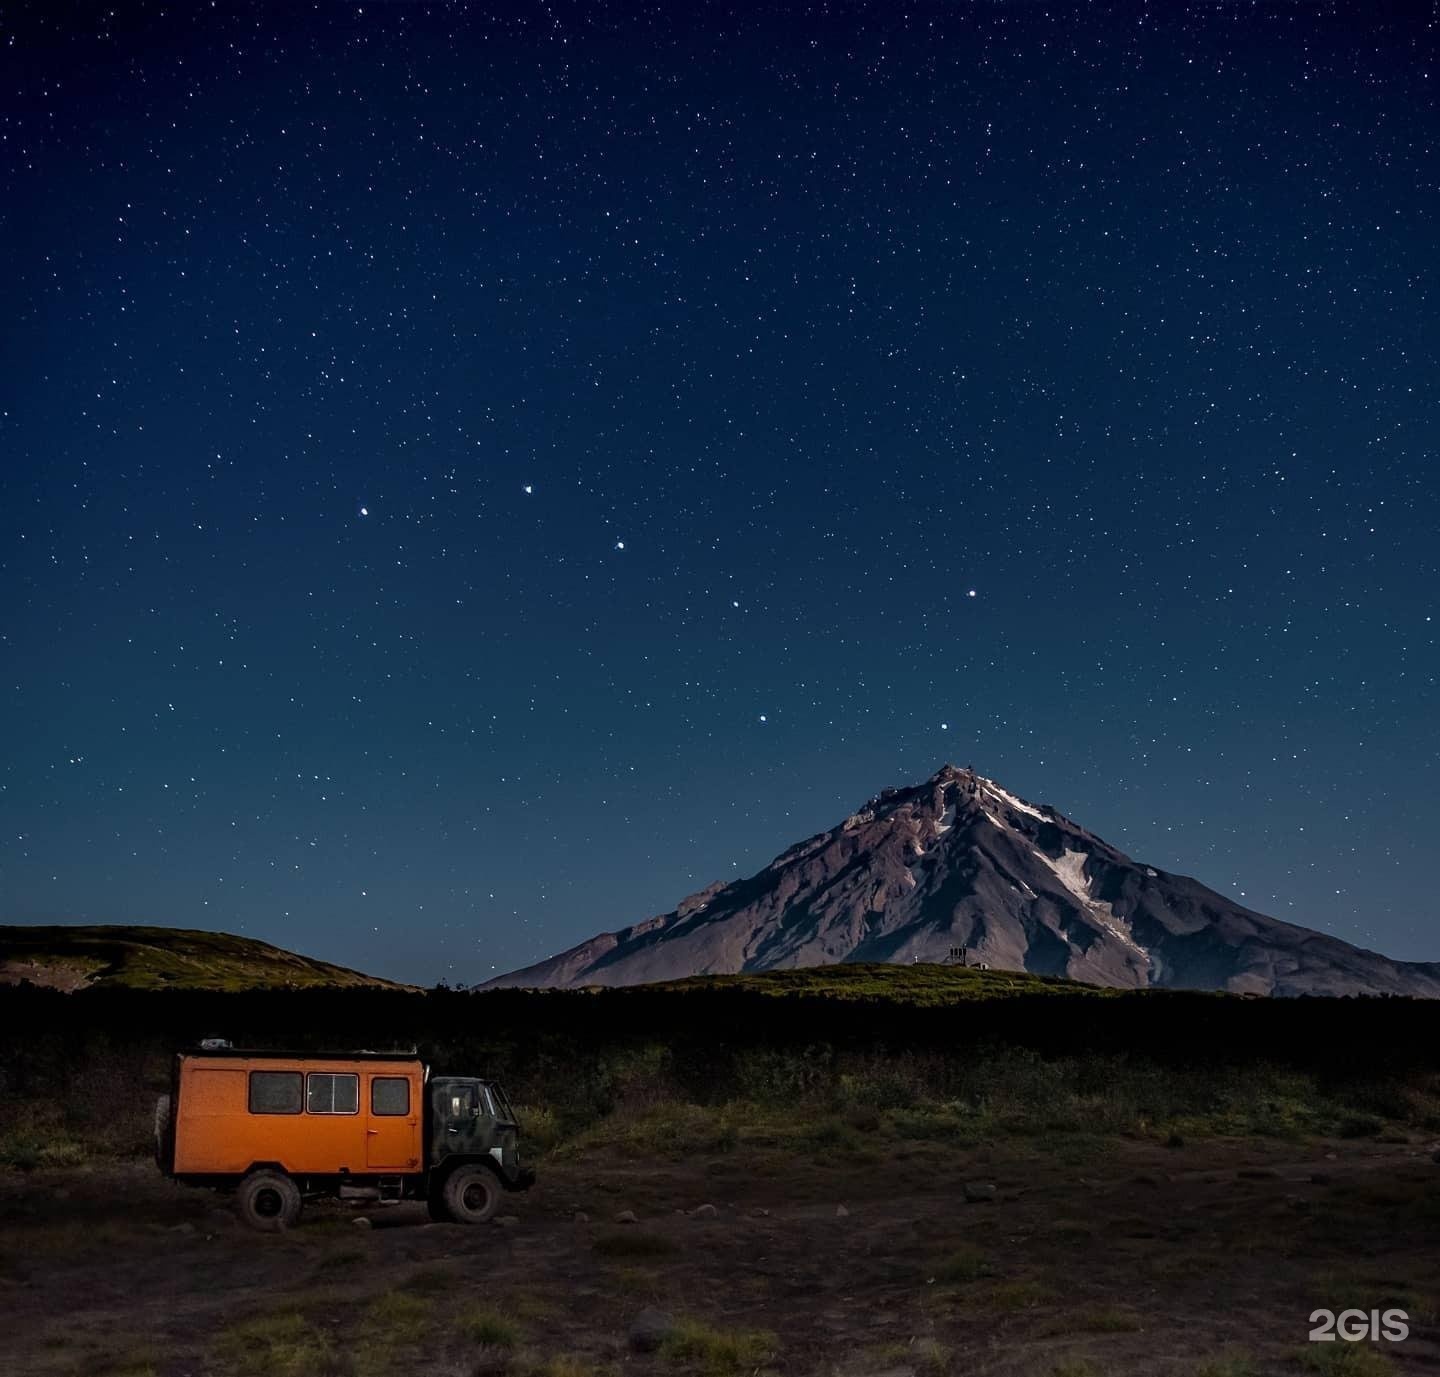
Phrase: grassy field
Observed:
(913, 1171)
(1067, 1256)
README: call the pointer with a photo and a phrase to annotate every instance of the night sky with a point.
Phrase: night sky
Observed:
(472, 476)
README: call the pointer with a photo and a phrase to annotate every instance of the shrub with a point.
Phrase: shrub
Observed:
(1342, 1359)
(564, 1365)
(1075, 1367)
(929, 1356)
(718, 1352)
(1017, 1295)
(141, 1361)
(20, 1151)
(486, 1326)
(675, 1129)
(1359, 1126)
(541, 1129)
(396, 1317)
(1227, 1365)
(284, 1345)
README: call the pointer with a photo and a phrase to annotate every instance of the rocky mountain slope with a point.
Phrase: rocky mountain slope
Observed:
(72, 958)
(959, 862)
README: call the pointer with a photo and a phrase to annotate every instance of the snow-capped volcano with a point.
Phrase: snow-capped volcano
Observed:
(960, 862)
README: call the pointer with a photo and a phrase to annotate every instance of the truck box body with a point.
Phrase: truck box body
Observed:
(311, 1116)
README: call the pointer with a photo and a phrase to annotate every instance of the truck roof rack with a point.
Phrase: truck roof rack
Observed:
(211, 1047)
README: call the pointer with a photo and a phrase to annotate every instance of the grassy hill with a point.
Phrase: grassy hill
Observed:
(145, 958)
(916, 986)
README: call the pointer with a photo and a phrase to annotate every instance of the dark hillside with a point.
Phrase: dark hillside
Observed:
(152, 958)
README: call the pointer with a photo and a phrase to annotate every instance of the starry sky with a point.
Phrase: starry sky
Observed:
(474, 475)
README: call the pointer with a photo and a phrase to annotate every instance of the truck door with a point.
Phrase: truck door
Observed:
(392, 1124)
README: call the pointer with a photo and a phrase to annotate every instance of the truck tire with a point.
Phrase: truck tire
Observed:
(162, 1129)
(269, 1201)
(472, 1195)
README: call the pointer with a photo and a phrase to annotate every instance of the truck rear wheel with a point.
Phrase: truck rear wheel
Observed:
(269, 1201)
(472, 1195)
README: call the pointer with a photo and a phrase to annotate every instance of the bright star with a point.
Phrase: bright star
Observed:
(364, 511)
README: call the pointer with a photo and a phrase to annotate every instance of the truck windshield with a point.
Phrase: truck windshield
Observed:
(505, 1112)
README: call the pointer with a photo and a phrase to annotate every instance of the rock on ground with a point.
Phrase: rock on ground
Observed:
(649, 1329)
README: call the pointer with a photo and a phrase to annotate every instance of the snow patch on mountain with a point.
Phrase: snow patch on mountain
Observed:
(993, 788)
(1069, 869)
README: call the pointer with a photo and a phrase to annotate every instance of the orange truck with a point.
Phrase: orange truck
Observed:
(277, 1127)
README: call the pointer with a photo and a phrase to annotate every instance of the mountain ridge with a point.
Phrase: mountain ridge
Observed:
(959, 862)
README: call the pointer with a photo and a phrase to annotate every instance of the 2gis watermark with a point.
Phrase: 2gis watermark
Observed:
(1353, 1325)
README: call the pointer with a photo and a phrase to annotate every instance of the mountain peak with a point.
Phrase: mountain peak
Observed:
(957, 864)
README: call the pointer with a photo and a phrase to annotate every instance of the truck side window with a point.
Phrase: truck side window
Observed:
(390, 1095)
(275, 1092)
(330, 1092)
(462, 1103)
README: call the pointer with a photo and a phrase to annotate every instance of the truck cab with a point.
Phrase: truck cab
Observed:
(472, 1119)
(471, 1123)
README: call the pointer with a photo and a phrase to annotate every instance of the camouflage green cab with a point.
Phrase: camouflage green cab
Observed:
(472, 1122)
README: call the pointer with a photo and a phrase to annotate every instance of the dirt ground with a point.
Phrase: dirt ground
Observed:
(1092, 1258)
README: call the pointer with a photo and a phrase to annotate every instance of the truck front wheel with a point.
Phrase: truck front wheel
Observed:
(268, 1200)
(472, 1195)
